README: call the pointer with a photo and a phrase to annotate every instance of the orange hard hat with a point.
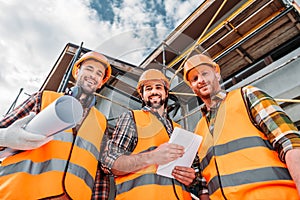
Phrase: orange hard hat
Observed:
(96, 56)
(152, 74)
(197, 60)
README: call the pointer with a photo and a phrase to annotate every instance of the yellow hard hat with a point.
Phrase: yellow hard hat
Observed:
(197, 60)
(97, 56)
(152, 74)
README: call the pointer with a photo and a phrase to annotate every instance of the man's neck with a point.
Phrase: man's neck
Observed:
(86, 100)
(213, 101)
(160, 111)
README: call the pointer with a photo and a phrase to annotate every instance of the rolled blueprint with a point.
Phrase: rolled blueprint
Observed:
(62, 114)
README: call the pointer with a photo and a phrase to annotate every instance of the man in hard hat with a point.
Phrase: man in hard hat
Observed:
(140, 143)
(66, 166)
(250, 148)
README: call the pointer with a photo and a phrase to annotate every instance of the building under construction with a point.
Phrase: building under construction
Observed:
(255, 42)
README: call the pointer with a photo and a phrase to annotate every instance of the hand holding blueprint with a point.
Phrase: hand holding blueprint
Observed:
(62, 114)
(191, 143)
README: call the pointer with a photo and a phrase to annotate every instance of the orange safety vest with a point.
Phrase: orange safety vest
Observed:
(67, 164)
(238, 160)
(146, 184)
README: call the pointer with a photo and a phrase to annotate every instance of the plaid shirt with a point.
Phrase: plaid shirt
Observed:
(125, 138)
(267, 115)
(33, 104)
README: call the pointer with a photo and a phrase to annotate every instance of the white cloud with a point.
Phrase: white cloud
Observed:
(33, 34)
(178, 10)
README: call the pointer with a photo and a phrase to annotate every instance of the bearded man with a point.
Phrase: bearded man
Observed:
(140, 143)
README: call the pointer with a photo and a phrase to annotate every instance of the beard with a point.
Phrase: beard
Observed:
(156, 104)
(86, 88)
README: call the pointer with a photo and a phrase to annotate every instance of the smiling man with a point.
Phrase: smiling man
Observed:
(250, 148)
(157, 99)
(65, 167)
(140, 143)
(90, 76)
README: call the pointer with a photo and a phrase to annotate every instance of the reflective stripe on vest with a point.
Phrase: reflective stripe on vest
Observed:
(50, 170)
(237, 158)
(146, 184)
(35, 168)
(146, 179)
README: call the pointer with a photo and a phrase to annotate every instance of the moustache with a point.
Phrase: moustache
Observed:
(153, 95)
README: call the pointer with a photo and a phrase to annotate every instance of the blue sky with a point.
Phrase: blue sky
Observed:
(34, 33)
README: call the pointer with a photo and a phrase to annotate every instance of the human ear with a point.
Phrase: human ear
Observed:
(218, 76)
(76, 72)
